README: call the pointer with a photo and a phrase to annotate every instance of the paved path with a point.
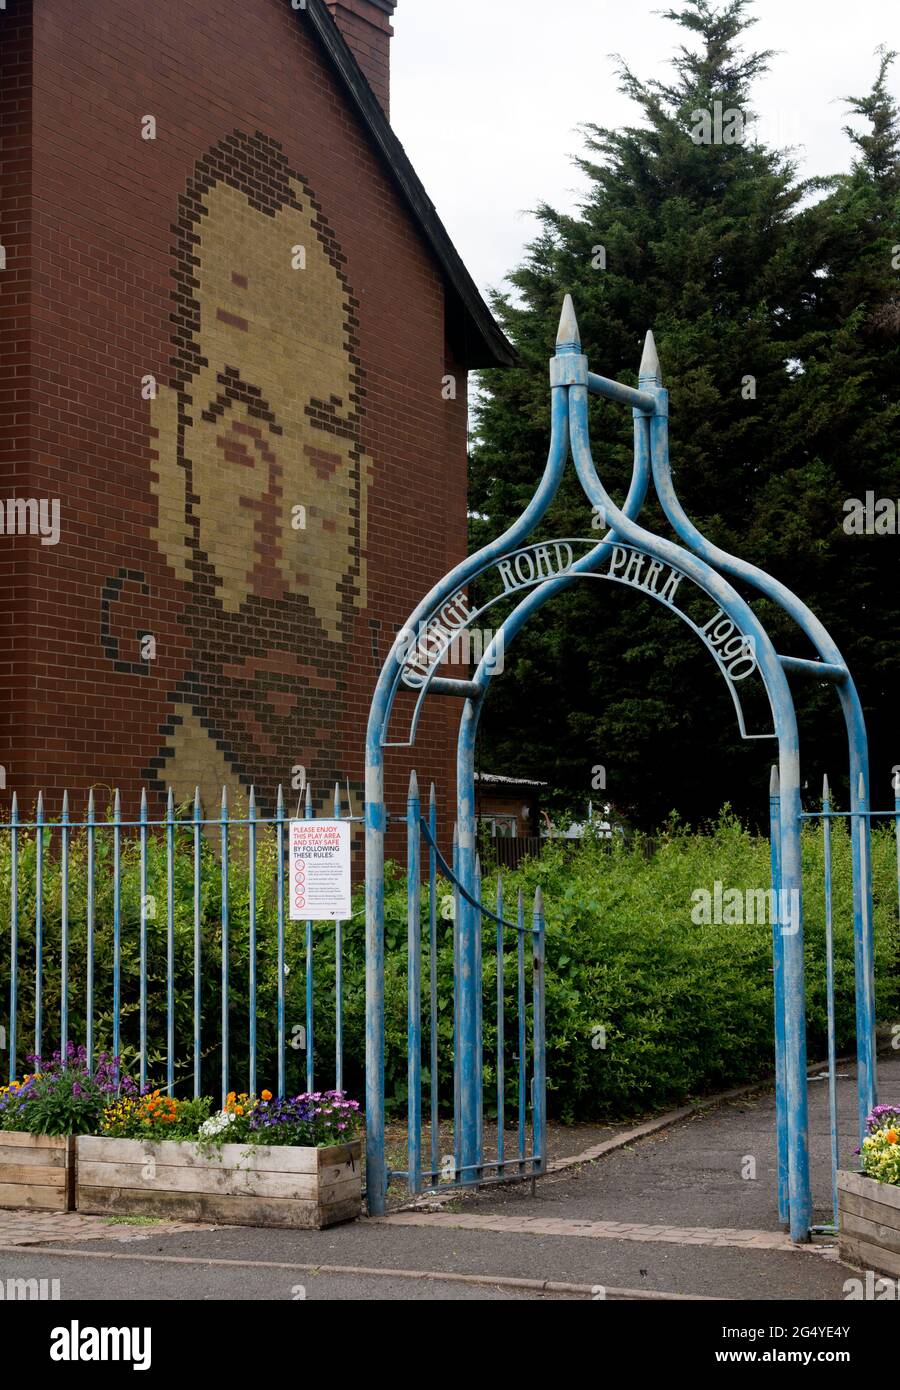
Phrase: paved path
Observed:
(688, 1212)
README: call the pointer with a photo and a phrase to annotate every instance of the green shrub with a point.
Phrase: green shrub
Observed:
(682, 1008)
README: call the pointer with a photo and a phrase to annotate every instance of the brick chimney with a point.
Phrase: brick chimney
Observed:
(366, 25)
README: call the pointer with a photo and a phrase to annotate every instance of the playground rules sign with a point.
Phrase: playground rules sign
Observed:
(320, 871)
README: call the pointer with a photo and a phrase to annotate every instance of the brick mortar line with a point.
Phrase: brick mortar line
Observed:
(496, 1281)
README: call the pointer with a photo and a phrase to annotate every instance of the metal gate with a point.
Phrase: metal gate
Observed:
(693, 581)
(486, 947)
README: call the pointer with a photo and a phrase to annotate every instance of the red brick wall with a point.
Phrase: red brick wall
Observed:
(16, 433)
(83, 706)
(366, 26)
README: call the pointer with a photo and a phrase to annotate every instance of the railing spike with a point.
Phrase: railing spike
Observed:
(432, 797)
(539, 900)
(568, 335)
(826, 790)
(224, 800)
(65, 806)
(14, 813)
(170, 803)
(40, 806)
(251, 806)
(279, 801)
(862, 787)
(309, 805)
(413, 784)
(775, 782)
(196, 803)
(650, 369)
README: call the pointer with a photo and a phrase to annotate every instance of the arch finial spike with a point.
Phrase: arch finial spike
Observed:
(568, 335)
(650, 371)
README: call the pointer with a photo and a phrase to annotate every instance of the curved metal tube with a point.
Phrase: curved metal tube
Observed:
(465, 790)
(379, 715)
(851, 707)
(786, 728)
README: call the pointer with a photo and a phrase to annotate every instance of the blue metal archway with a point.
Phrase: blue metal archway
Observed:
(551, 568)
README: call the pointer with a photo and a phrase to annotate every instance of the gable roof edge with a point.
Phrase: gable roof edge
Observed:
(484, 344)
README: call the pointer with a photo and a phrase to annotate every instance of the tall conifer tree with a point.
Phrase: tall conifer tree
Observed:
(710, 245)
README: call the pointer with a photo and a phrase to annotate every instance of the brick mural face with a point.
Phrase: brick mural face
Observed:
(261, 480)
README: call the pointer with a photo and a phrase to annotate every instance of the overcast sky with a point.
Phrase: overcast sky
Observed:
(487, 96)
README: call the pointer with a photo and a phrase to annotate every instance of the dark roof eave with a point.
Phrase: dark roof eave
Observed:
(481, 342)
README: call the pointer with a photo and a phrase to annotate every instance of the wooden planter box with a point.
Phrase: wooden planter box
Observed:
(37, 1171)
(235, 1185)
(869, 1223)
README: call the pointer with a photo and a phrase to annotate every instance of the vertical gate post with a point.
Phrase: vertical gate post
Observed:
(469, 981)
(778, 990)
(539, 1037)
(794, 998)
(310, 998)
(457, 1072)
(414, 987)
(478, 924)
(864, 954)
(13, 938)
(433, 985)
(829, 992)
(376, 1175)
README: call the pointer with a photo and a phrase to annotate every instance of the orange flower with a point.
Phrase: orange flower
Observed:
(892, 1136)
(267, 1095)
(239, 1110)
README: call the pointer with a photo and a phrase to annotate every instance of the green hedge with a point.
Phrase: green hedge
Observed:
(684, 1008)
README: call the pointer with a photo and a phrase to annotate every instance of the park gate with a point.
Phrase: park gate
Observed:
(693, 580)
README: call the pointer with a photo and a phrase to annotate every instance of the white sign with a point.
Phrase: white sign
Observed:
(319, 871)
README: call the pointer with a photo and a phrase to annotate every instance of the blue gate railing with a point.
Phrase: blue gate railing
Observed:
(223, 910)
(867, 1086)
(523, 1041)
(166, 941)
